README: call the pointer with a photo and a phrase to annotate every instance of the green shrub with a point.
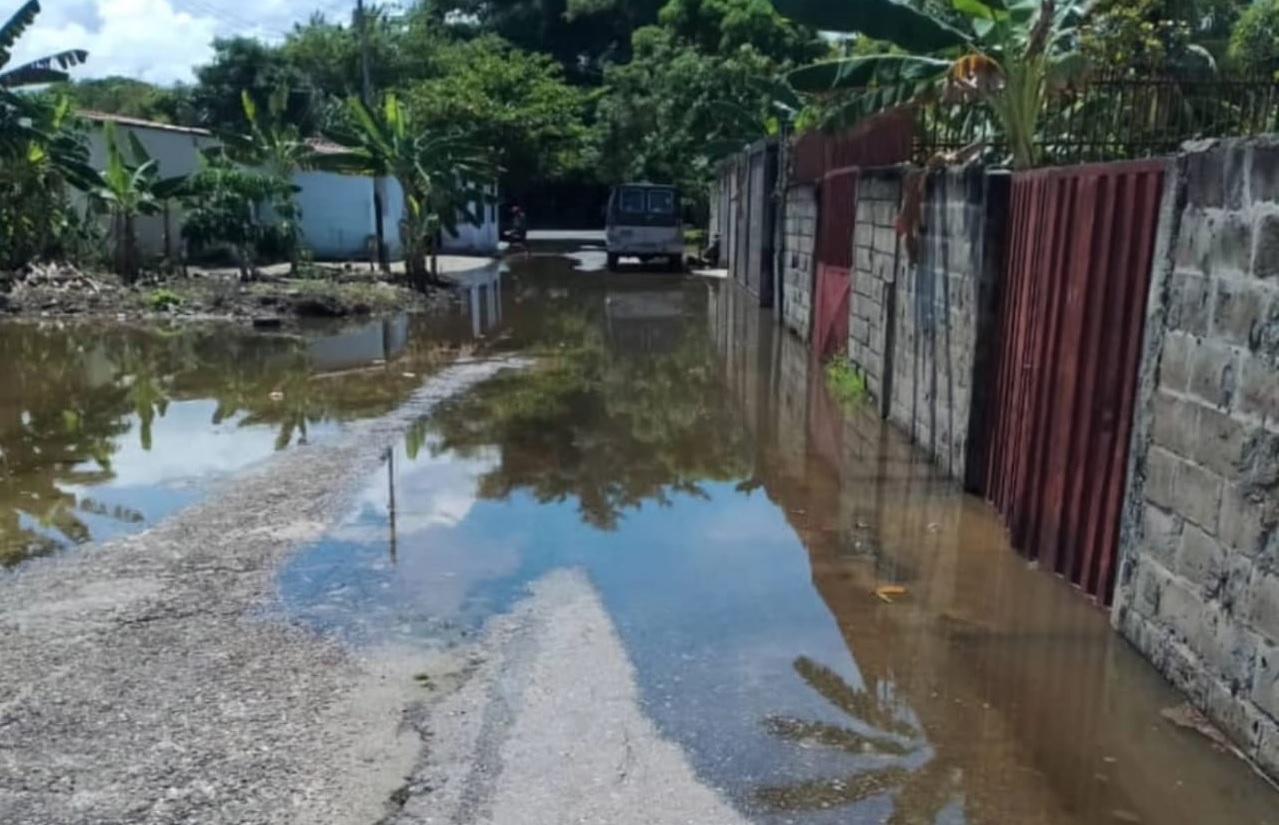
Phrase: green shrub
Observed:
(161, 300)
(845, 383)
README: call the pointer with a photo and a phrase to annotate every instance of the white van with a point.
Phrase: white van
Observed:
(644, 221)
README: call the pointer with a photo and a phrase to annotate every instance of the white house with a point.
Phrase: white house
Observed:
(337, 210)
(176, 150)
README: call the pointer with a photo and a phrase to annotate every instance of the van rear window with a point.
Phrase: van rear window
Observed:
(632, 201)
(661, 202)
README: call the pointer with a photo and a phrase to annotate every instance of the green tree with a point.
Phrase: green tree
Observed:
(223, 205)
(724, 26)
(1157, 36)
(514, 101)
(1009, 61)
(278, 147)
(50, 155)
(243, 64)
(663, 108)
(440, 174)
(129, 186)
(1254, 42)
(129, 98)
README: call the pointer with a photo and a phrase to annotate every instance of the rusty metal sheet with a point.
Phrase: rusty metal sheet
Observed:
(1077, 271)
(883, 140)
(833, 281)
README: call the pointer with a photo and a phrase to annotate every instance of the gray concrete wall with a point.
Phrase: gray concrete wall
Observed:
(799, 253)
(922, 331)
(875, 256)
(944, 321)
(1198, 589)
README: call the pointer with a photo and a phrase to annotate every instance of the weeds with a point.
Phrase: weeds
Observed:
(845, 383)
(161, 300)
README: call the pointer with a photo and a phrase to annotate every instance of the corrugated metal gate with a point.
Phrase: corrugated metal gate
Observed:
(833, 285)
(1077, 271)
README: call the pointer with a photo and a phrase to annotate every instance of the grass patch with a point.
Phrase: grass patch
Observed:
(845, 383)
(160, 300)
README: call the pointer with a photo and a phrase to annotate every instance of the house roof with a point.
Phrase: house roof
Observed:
(319, 145)
(139, 123)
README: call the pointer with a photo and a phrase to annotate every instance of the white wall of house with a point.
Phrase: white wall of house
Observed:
(176, 151)
(338, 219)
(337, 210)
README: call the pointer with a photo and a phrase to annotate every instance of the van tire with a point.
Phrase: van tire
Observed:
(677, 263)
(613, 261)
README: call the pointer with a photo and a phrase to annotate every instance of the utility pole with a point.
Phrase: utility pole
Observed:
(379, 183)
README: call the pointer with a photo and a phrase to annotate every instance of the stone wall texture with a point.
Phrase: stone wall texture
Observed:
(799, 253)
(921, 331)
(875, 255)
(1198, 588)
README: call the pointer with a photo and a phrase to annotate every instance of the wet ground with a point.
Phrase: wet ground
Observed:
(679, 449)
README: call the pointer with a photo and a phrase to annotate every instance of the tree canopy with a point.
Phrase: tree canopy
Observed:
(587, 91)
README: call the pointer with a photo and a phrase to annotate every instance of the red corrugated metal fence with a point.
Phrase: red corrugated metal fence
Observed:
(1080, 248)
(833, 284)
(883, 140)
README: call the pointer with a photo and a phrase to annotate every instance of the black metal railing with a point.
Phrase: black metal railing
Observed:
(1114, 118)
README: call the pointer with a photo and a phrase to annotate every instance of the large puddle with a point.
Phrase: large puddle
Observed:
(106, 428)
(681, 450)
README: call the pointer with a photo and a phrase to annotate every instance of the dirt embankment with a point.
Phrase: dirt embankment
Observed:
(275, 296)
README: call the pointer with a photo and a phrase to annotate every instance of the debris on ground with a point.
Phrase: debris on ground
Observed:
(887, 592)
(1186, 716)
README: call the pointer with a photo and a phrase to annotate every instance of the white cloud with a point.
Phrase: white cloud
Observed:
(160, 41)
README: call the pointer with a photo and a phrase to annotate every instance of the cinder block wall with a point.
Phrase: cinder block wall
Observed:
(922, 331)
(875, 253)
(1198, 588)
(797, 269)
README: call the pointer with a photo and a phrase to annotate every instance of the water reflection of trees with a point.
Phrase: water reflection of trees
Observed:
(920, 794)
(600, 421)
(70, 396)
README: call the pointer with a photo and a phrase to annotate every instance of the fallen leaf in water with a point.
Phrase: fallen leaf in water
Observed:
(934, 527)
(1124, 816)
(408, 375)
(277, 396)
(887, 591)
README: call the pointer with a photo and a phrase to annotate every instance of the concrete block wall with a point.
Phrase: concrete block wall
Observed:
(944, 320)
(799, 253)
(1198, 589)
(875, 255)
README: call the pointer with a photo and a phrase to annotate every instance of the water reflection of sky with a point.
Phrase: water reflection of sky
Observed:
(712, 597)
(188, 454)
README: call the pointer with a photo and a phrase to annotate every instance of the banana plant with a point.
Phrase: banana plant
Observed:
(130, 186)
(1010, 58)
(18, 111)
(48, 69)
(279, 148)
(441, 176)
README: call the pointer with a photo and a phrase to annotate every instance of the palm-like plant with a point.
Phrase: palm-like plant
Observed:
(278, 146)
(1015, 53)
(18, 111)
(441, 176)
(49, 69)
(129, 187)
(882, 732)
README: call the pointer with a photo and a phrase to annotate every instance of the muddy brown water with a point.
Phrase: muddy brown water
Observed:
(680, 449)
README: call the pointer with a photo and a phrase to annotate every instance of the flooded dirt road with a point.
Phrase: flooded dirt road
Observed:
(655, 576)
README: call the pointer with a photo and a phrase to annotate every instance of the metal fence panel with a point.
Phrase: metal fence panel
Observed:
(1071, 318)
